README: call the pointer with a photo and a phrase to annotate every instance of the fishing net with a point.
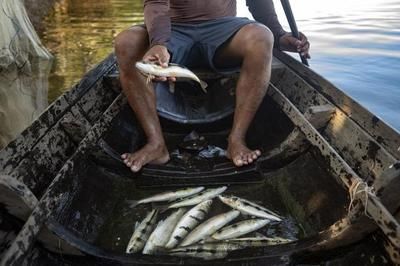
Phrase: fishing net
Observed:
(19, 41)
(24, 69)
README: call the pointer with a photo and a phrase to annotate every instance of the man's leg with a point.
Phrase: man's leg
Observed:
(252, 47)
(130, 46)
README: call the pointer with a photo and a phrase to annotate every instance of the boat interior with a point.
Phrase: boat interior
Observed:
(321, 151)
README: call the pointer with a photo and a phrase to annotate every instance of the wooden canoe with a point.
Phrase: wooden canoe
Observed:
(327, 163)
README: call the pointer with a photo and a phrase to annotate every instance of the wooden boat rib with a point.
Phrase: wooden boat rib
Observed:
(312, 132)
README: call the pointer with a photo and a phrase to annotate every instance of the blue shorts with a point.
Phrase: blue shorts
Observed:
(194, 45)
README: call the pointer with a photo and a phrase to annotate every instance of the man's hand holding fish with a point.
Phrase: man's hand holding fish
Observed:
(158, 54)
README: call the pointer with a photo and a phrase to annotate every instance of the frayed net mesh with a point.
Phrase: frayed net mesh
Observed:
(24, 70)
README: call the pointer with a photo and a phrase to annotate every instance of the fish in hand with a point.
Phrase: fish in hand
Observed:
(152, 70)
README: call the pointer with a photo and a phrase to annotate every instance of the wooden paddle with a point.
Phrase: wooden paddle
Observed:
(293, 26)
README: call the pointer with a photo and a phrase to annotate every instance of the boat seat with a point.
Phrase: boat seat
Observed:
(186, 103)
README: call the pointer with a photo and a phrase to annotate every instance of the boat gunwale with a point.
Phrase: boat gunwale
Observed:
(379, 130)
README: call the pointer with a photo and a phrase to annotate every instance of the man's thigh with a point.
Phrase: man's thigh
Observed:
(218, 33)
(233, 51)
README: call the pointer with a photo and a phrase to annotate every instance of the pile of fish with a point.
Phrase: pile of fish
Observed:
(186, 233)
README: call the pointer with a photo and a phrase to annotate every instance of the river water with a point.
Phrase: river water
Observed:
(354, 44)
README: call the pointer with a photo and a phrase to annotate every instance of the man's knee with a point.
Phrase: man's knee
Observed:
(258, 37)
(131, 43)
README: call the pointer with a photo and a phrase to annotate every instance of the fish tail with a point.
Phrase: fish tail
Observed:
(132, 203)
(203, 85)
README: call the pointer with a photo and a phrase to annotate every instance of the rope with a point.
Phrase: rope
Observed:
(360, 187)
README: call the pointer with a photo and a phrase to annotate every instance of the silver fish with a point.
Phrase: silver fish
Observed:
(207, 251)
(196, 199)
(259, 241)
(142, 232)
(239, 229)
(189, 221)
(167, 196)
(173, 70)
(250, 208)
(160, 236)
(209, 227)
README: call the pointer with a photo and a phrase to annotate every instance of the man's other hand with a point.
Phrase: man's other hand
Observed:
(289, 43)
(158, 54)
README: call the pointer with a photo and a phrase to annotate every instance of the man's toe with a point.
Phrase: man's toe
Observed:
(135, 168)
(238, 161)
(137, 165)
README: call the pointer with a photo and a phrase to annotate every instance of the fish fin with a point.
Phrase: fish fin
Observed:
(172, 87)
(136, 225)
(208, 239)
(149, 79)
(161, 208)
(203, 85)
(132, 203)
(257, 234)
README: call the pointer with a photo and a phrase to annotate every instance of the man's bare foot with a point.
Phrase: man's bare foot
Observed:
(150, 153)
(239, 153)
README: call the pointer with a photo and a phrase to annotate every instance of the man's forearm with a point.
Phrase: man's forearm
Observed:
(157, 21)
(263, 11)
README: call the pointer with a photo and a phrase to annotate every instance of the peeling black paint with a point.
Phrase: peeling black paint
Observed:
(375, 120)
(373, 149)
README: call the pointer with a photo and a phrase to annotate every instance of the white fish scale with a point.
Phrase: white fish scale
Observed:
(142, 232)
(206, 251)
(150, 70)
(246, 208)
(160, 236)
(240, 228)
(170, 71)
(150, 246)
(259, 206)
(169, 196)
(209, 227)
(190, 220)
(204, 254)
(202, 196)
(258, 242)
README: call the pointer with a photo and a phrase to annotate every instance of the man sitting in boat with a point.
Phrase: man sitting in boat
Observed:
(198, 33)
